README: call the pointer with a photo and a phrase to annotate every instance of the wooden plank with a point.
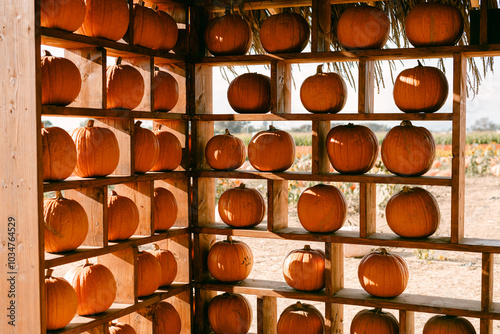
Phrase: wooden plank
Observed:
(334, 282)
(266, 4)
(141, 193)
(367, 209)
(267, 315)
(281, 87)
(277, 205)
(320, 161)
(487, 279)
(366, 87)
(123, 265)
(483, 23)
(123, 129)
(179, 188)
(141, 320)
(106, 113)
(406, 322)
(145, 66)
(321, 25)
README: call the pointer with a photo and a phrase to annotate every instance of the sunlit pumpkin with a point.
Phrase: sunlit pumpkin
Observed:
(448, 324)
(271, 150)
(230, 313)
(323, 92)
(124, 85)
(146, 148)
(166, 319)
(304, 269)
(225, 152)
(62, 14)
(120, 328)
(170, 151)
(301, 318)
(284, 32)
(123, 217)
(241, 207)
(374, 321)
(250, 93)
(61, 301)
(105, 19)
(59, 154)
(230, 260)
(168, 264)
(165, 209)
(165, 90)
(169, 32)
(228, 35)
(61, 80)
(149, 274)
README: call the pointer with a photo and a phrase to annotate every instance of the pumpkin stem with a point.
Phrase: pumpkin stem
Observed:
(49, 272)
(119, 61)
(405, 123)
(228, 10)
(406, 190)
(46, 53)
(90, 123)
(155, 8)
(272, 128)
(114, 193)
(226, 132)
(319, 69)
(229, 239)
(87, 263)
(242, 186)
(59, 194)
(299, 306)
(377, 310)
(141, 3)
(157, 68)
(383, 251)
(156, 246)
(138, 123)
(307, 248)
(419, 63)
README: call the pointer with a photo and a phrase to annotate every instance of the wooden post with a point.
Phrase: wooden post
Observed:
(277, 205)
(281, 85)
(267, 315)
(483, 25)
(334, 282)
(406, 322)
(487, 278)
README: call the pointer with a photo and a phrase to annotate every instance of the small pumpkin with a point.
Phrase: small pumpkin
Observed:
(323, 92)
(97, 151)
(301, 318)
(165, 211)
(61, 301)
(146, 148)
(448, 324)
(230, 260)
(250, 93)
(165, 91)
(123, 217)
(284, 32)
(413, 213)
(322, 209)
(374, 321)
(241, 207)
(166, 319)
(105, 19)
(383, 274)
(62, 14)
(149, 274)
(225, 152)
(59, 154)
(120, 328)
(61, 80)
(146, 26)
(230, 313)
(363, 27)
(434, 24)
(170, 151)
(168, 264)
(304, 269)
(352, 149)
(124, 85)
(95, 287)
(271, 150)
(169, 32)
(420, 89)
(408, 150)
(228, 35)
(66, 224)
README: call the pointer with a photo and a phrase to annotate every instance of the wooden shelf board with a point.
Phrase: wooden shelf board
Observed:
(81, 324)
(265, 4)
(78, 182)
(84, 252)
(331, 177)
(108, 113)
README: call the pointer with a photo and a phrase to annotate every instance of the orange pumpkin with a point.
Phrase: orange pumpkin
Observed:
(146, 26)
(434, 24)
(168, 264)
(166, 319)
(228, 35)
(272, 150)
(352, 149)
(301, 318)
(230, 313)
(59, 154)
(322, 208)
(95, 287)
(165, 91)
(323, 92)
(97, 151)
(170, 151)
(250, 93)
(66, 224)
(146, 149)
(62, 14)
(165, 213)
(149, 274)
(374, 321)
(61, 301)
(284, 32)
(413, 213)
(241, 207)
(61, 81)
(448, 324)
(105, 19)
(119, 328)
(363, 27)
(168, 32)
(124, 85)
(123, 217)
(420, 89)
(225, 152)
(304, 269)
(230, 260)
(408, 150)
(383, 274)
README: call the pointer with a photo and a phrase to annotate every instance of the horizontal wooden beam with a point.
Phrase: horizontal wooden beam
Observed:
(108, 113)
(218, 6)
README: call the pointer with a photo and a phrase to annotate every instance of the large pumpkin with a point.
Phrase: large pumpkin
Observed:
(434, 24)
(322, 208)
(420, 89)
(230, 313)
(413, 213)
(352, 149)
(61, 80)
(228, 35)
(120, 328)
(165, 91)
(301, 318)
(447, 324)
(304, 269)
(408, 150)
(271, 150)
(168, 32)
(95, 286)
(123, 217)
(61, 301)
(124, 85)
(149, 274)
(363, 27)
(146, 149)
(105, 19)
(230, 260)
(284, 32)
(323, 92)
(250, 93)
(146, 26)
(66, 224)
(62, 14)
(241, 207)
(97, 151)
(374, 321)
(170, 151)
(225, 152)
(59, 154)
(166, 319)
(165, 211)
(383, 274)
(168, 264)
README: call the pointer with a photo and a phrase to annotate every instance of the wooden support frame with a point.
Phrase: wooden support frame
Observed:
(487, 278)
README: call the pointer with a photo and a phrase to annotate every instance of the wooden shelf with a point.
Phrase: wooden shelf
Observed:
(109, 113)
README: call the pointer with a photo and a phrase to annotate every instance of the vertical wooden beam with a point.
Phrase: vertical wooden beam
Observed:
(488, 260)
(281, 87)
(483, 23)
(320, 161)
(267, 315)
(406, 322)
(141, 193)
(145, 66)
(277, 205)
(334, 282)
(458, 148)
(123, 265)
(366, 81)
(321, 25)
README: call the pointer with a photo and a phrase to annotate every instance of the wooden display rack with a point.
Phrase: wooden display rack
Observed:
(22, 188)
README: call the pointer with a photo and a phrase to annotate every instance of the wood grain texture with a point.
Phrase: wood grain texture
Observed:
(141, 193)
(277, 205)
(406, 322)
(321, 25)
(267, 315)
(123, 265)
(141, 321)
(281, 87)
(334, 282)
(320, 161)
(483, 23)
(367, 209)
(107, 113)
(487, 279)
